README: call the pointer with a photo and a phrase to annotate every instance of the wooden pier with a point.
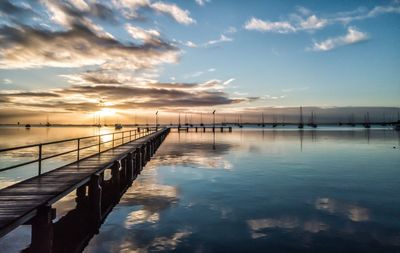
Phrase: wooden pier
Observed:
(30, 201)
(195, 128)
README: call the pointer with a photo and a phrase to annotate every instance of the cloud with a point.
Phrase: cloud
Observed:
(7, 81)
(130, 10)
(269, 97)
(13, 94)
(190, 44)
(294, 24)
(363, 13)
(222, 38)
(304, 20)
(202, 2)
(231, 29)
(71, 39)
(147, 36)
(25, 47)
(229, 81)
(353, 36)
(85, 97)
(312, 22)
(267, 26)
(199, 73)
(180, 16)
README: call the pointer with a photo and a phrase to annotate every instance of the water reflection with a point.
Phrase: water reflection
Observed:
(141, 207)
(320, 190)
(262, 227)
(353, 212)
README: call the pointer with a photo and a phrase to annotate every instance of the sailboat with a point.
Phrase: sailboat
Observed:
(367, 124)
(240, 121)
(312, 121)
(47, 121)
(301, 123)
(274, 123)
(262, 120)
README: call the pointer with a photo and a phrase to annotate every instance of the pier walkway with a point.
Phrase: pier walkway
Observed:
(30, 201)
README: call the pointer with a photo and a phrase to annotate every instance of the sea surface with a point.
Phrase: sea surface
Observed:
(330, 189)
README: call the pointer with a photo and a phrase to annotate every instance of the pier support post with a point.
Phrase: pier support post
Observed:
(95, 193)
(204, 129)
(151, 147)
(115, 175)
(138, 161)
(129, 168)
(42, 230)
(80, 196)
(148, 151)
(230, 129)
(123, 172)
(143, 155)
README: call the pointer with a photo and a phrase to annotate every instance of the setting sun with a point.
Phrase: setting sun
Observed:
(106, 112)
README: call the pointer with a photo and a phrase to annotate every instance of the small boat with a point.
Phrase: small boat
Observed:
(397, 127)
(27, 126)
(118, 126)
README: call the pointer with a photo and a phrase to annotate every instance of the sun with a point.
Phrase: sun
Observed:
(106, 112)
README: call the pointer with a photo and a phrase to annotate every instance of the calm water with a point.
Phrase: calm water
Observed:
(329, 190)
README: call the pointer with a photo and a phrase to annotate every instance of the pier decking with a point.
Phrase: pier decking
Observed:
(29, 201)
(199, 128)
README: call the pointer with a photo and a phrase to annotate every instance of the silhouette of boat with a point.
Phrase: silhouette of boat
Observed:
(118, 126)
(27, 126)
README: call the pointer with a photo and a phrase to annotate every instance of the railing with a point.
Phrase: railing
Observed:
(125, 136)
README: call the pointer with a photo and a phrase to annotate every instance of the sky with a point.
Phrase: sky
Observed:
(74, 59)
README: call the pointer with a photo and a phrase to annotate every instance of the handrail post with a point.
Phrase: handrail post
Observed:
(123, 138)
(130, 135)
(40, 159)
(79, 144)
(113, 140)
(99, 143)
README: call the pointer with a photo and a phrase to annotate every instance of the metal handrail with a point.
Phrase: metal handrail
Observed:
(137, 133)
